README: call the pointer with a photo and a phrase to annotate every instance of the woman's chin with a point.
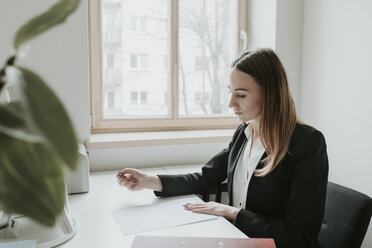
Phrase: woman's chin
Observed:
(241, 118)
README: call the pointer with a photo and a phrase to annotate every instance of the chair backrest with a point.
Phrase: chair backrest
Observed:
(217, 191)
(347, 216)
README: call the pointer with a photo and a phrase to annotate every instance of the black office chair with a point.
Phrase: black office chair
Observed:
(347, 216)
(217, 191)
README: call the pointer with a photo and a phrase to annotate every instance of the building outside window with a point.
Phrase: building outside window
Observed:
(138, 98)
(110, 60)
(138, 61)
(201, 63)
(165, 62)
(110, 99)
(134, 98)
(143, 98)
(138, 23)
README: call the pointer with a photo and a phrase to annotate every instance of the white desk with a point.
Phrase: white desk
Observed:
(97, 227)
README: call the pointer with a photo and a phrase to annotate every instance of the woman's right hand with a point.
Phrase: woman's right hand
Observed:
(136, 180)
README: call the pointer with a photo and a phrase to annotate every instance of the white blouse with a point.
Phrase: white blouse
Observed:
(244, 170)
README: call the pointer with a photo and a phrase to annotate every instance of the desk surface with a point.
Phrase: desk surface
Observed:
(97, 227)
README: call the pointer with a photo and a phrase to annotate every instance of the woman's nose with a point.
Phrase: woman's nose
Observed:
(231, 102)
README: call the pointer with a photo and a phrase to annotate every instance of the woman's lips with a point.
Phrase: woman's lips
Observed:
(238, 113)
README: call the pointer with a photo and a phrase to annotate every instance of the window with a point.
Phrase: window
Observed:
(133, 23)
(138, 61)
(110, 99)
(201, 63)
(138, 23)
(167, 63)
(201, 97)
(133, 61)
(136, 96)
(110, 60)
(143, 98)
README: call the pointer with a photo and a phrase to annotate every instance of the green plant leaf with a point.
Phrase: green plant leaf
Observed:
(12, 122)
(55, 15)
(31, 180)
(44, 111)
(11, 115)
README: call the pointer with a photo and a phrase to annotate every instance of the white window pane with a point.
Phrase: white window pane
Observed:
(133, 61)
(143, 60)
(135, 31)
(134, 98)
(110, 100)
(206, 49)
(165, 62)
(133, 22)
(143, 23)
(143, 98)
(110, 60)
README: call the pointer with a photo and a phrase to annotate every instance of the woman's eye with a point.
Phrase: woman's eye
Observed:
(241, 96)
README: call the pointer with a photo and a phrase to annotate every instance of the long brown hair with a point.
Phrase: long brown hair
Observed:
(278, 113)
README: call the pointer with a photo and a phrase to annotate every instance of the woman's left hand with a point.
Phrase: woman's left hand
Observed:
(213, 208)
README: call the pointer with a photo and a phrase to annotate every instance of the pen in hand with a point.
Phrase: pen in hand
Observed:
(136, 180)
(123, 175)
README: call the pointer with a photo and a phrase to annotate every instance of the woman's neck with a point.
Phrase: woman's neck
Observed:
(255, 129)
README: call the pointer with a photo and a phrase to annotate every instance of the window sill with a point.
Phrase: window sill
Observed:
(133, 139)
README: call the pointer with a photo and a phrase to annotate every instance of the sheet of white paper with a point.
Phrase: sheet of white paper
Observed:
(160, 215)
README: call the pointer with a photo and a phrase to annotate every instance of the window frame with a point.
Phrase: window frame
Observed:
(100, 124)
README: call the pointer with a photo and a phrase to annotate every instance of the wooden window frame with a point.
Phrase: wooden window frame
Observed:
(173, 122)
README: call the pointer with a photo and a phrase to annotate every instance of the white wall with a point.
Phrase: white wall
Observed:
(278, 25)
(336, 87)
(288, 42)
(59, 56)
(261, 23)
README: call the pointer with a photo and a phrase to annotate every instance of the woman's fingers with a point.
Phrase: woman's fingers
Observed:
(206, 208)
(126, 177)
(203, 210)
(196, 206)
(123, 182)
(126, 181)
(129, 183)
(123, 175)
(200, 209)
(132, 179)
(126, 172)
(132, 185)
(193, 205)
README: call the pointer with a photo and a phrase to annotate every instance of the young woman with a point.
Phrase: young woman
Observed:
(276, 167)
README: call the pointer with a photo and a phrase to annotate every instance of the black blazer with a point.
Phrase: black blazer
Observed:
(286, 205)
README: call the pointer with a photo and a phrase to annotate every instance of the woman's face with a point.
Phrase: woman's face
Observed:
(246, 96)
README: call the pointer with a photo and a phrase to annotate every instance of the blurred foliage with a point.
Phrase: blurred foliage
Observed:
(37, 138)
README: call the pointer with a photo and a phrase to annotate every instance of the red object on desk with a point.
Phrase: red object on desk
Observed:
(144, 241)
